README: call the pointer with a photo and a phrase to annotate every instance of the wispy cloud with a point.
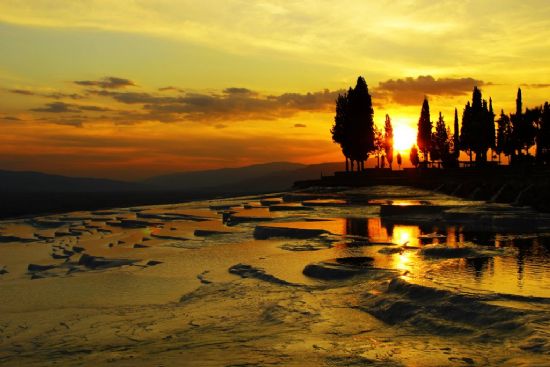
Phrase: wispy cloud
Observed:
(52, 95)
(232, 104)
(60, 95)
(170, 89)
(11, 118)
(110, 82)
(56, 107)
(239, 91)
(536, 85)
(62, 107)
(411, 91)
(74, 121)
(23, 92)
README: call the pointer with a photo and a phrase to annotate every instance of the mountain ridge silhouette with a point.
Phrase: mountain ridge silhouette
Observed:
(254, 178)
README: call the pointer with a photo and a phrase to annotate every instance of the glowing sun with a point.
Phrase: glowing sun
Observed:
(404, 137)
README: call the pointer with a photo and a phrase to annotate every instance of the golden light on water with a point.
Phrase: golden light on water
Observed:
(403, 261)
(406, 235)
(376, 230)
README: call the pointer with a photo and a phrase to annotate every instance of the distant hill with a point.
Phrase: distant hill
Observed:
(26, 181)
(220, 179)
(255, 178)
(32, 193)
(281, 180)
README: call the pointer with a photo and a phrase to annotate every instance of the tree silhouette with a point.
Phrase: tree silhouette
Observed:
(424, 136)
(519, 103)
(362, 123)
(467, 131)
(399, 160)
(477, 134)
(504, 144)
(479, 115)
(413, 156)
(515, 134)
(518, 130)
(490, 128)
(523, 129)
(340, 129)
(440, 141)
(379, 144)
(353, 125)
(388, 140)
(531, 120)
(456, 140)
(478, 118)
(543, 136)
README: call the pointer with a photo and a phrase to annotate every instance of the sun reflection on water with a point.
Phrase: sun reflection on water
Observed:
(406, 235)
(521, 269)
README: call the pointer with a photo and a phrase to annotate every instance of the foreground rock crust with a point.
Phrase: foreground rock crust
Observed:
(379, 276)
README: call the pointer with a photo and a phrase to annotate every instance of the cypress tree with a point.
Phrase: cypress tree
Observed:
(517, 126)
(477, 134)
(341, 129)
(413, 156)
(353, 125)
(532, 122)
(478, 123)
(543, 138)
(509, 144)
(388, 140)
(523, 126)
(362, 122)
(477, 120)
(466, 131)
(483, 134)
(440, 141)
(492, 133)
(504, 132)
(519, 103)
(399, 160)
(379, 144)
(456, 141)
(491, 127)
(424, 136)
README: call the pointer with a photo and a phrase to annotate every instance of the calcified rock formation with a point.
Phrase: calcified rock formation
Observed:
(379, 276)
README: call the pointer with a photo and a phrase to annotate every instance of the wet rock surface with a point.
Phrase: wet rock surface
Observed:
(442, 312)
(340, 268)
(382, 276)
(266, 232)
(464, 251)
(205, 233)
(248, 271)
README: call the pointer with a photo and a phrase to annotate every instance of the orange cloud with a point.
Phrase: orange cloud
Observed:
(110, 82)
(232, 104)
(411, 91)
(62, 107)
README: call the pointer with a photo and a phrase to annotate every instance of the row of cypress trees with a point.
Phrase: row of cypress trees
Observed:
(439, 145)
(518, 132)
(355, 132)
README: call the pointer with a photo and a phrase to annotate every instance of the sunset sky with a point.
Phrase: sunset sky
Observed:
(129, 89)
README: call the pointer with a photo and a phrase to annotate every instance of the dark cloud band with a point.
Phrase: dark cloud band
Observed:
(110, 82)
(411, 91)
